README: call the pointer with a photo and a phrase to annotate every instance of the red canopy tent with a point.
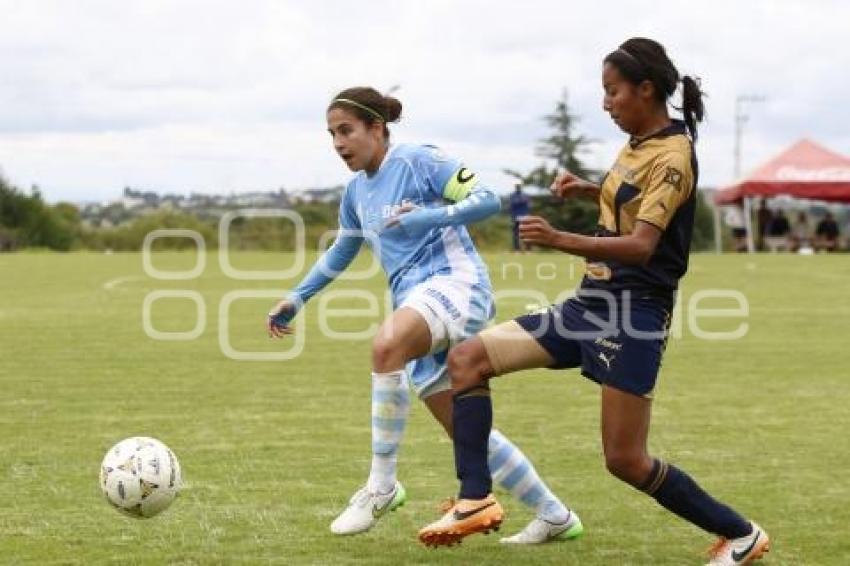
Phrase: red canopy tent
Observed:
(804, 170)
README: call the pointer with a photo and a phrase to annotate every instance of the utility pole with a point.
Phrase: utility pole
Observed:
(740, 119)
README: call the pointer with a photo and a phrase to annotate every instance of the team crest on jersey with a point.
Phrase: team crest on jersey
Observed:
(673, 177)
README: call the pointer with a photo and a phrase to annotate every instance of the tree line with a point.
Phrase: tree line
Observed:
(27, 221)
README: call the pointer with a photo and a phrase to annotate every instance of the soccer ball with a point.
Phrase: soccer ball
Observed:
(140, 476)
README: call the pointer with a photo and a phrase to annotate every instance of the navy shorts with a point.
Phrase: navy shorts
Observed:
(617, 343)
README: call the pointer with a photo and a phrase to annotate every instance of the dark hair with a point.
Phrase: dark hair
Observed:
(640, 59)
(368, 105)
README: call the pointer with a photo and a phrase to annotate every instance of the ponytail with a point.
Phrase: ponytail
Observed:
(693, 108)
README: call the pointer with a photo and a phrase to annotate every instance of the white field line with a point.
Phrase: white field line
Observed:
(112, 283)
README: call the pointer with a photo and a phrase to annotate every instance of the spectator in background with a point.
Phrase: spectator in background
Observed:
(801, 235)
(735, 220)
(520, 206)
(778, 232)
(826, 234)
(763, 219)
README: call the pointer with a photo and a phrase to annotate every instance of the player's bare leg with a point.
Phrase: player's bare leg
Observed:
(625, 427)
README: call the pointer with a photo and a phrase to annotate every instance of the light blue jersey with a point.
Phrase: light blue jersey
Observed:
(427, 254)
(429, 241)
(412, 175)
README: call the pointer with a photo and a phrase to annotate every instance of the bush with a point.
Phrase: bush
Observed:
(131, 236)
(27, 221)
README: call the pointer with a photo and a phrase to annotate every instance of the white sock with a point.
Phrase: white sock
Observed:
(390, 407)
(514, 472)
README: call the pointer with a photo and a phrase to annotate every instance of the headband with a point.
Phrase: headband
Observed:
(629, 55)
(374, 113)
(642, 68)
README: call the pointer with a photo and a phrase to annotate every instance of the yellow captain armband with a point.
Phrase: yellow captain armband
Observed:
(460, 184)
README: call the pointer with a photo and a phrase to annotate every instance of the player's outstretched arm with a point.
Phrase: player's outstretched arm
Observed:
(478, 203)
(333, 262)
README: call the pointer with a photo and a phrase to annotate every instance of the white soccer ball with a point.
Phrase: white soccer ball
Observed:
(140, 476)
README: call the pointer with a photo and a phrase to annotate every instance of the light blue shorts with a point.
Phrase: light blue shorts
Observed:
(454, 311)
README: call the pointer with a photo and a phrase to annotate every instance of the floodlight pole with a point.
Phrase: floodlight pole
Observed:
(740, 119)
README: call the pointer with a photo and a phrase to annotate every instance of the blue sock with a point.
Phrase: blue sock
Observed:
(390, 408)
(512, 470)
(677, 492)
(472, 420)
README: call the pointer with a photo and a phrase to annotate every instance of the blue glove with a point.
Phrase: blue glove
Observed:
(282, 319)
(285, 316)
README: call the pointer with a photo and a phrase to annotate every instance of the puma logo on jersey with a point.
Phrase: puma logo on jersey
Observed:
(606, 359)
(626, 173)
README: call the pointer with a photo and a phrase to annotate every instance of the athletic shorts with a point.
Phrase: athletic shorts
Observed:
(454, 311)
(614, 343)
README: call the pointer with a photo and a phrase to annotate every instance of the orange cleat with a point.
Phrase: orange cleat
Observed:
(463, 518)
(742, 550)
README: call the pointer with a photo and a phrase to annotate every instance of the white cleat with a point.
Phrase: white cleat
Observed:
(365, 508)
(539, 531)
(740, 550)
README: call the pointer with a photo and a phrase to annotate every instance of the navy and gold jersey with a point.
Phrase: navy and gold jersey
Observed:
(653, 180)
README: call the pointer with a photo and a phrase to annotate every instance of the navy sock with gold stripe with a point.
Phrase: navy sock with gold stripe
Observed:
(677, 492)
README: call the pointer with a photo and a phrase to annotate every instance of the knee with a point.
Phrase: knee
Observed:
(464, 365)
(630, 467)
(386, 355)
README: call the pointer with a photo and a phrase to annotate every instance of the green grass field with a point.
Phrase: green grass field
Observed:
(271, 451)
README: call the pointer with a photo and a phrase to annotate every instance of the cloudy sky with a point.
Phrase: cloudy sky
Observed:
(215, 96)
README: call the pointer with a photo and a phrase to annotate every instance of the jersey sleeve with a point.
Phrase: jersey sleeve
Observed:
(670, 184)
(336, 258)
(348, 219)
(445, 176)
